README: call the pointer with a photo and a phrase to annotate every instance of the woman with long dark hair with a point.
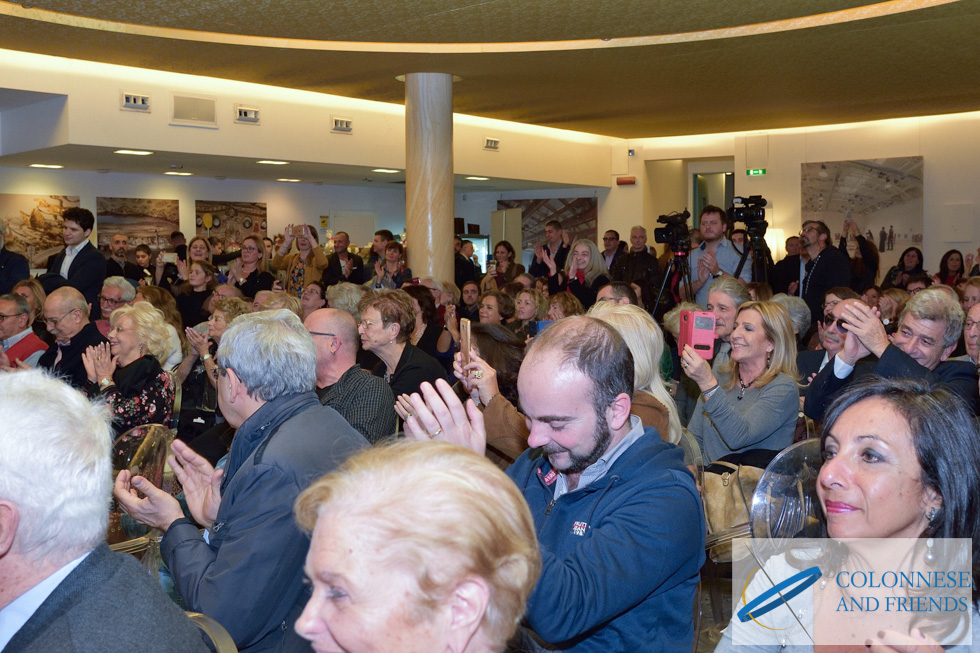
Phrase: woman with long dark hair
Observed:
(951, 270)
(909, 265)
(503, 269)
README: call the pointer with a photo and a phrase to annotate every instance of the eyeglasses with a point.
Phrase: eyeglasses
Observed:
(250, 249)
(110, 301)
(915, 291)
(967, 325)
(366, 323)
(609, 238)
(4, 317)
(53, 322)
(828, 321)
(320, 333)
(806, 229)
(831, 304)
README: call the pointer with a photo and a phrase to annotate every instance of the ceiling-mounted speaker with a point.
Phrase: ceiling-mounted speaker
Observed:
(194, 111)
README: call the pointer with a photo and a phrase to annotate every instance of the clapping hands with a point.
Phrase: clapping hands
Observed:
(99, 362)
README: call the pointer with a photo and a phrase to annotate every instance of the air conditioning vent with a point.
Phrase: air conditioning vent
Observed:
(194, 111)
(135, 102)
(342, 125)
(246, 115)
(491, 143)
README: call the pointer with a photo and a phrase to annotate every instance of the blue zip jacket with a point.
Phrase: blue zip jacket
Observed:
(621, 557)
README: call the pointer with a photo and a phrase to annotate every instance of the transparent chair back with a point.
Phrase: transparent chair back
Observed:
(785, 503)
(143, 451)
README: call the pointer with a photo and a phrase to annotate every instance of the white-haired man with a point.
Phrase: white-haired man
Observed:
(116, 292)
(61, 588)
(927, 333)
(248, 573)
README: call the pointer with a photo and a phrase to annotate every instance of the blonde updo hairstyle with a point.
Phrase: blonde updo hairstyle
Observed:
(150, 326)
(498, 544)
(232, 307)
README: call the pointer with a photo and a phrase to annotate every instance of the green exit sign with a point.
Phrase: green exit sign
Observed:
(755, 172)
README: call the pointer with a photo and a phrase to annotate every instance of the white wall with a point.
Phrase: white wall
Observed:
(286, 203)
(950, 146)
(295, 125)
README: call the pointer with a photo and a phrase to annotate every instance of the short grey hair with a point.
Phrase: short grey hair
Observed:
(439, 285)
(732, 287)
(638, 227)
(55, 465)
(935, 304)
(799, 312)
(126, 288)
(22, 306)
(346, 296)
(271, 352)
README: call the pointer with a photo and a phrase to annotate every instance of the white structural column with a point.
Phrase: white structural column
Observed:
(429, 173)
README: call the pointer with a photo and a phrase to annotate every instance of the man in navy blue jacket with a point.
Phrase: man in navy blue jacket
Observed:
(248, 573)
(927, 333)
(13, 266)
(80, 265)
(617, 513)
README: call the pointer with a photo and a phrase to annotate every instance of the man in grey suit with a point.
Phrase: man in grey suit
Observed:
(61, 588)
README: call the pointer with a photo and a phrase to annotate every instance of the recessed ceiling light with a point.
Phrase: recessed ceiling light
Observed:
(387, 171)
(479, 178)
(174, 173)
(289, 180)
(269, 162)
(134, 152)
(45, 165)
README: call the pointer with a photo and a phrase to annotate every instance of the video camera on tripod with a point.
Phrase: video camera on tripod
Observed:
(676, 234)
(751, 211)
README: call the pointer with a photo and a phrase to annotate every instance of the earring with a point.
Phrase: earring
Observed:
(931, 515)
(930, 556)
(141, 349)
(768, 358)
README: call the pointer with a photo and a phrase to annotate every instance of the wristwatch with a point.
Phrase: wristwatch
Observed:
(718, 274)
(105, 383)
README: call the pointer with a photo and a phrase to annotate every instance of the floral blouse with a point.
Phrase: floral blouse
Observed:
(152, 405)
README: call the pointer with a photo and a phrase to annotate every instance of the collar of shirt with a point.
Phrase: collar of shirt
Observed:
(71, 250)
(600, 468)
(13, 340)
(19, 611)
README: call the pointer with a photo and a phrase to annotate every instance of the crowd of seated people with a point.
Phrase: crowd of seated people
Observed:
(569, 385)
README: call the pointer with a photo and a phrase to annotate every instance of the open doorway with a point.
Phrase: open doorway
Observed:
(711, 188)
